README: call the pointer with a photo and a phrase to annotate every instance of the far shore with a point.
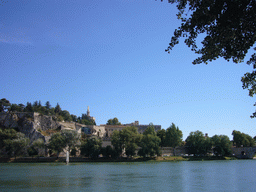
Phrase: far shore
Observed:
(136, 159)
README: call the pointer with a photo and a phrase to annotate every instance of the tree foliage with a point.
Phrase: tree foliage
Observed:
(62, 115)
(221, 145)
(242, 139)
(85, 119)
(6, 134)
(71, 139)
(17, 145)
(126, 139)
(228, 27)
(38, 145)
(161, 134)
(67, 139)
(91, 148)
(57, 143)
(4, 105)
(149, 146)
(113, 121)
(150, 130)
(149, 143)
(13, 142)
(173, 136)
(198, 144)
(107, 151)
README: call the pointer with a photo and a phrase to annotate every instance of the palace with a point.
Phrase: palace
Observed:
(105, 131)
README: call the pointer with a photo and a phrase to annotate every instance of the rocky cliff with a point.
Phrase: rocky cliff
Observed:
(31, 124)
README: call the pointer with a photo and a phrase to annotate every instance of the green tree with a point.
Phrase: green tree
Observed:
(131, 138)
(66, 115)
(117, 143)
(71, 139)
(198, 144)
(161, 134)
(38, 145)
(4, 105)
(113, 121)
(29, 107)
(86, 120)
(150, 130)
(15, 108)
(91, 148)
(242, 139)
(107, 151)
(228, 27)
(35, 106)
(48, 105)
(57, 109)
(149, 142)
(221, 145)
(16, 146)
(173, 136)
(6, 134)
(149, 146)
(125, 140)
(74, 118)
(57, 143)
(32, 151)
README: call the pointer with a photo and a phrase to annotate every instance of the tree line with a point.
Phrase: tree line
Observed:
(125, 142)
(47, 109)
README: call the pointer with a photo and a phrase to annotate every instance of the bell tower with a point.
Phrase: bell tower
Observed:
(88, 111)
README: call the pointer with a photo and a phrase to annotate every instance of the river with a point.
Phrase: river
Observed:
(234, 175)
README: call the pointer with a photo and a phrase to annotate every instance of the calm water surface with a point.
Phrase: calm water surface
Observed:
(237, 175)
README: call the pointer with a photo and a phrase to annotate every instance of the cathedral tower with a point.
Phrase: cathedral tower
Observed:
(88, 111)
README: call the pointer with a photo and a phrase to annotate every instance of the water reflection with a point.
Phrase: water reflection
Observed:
(164, 176)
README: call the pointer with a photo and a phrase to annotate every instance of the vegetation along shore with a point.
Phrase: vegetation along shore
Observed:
(37, 133)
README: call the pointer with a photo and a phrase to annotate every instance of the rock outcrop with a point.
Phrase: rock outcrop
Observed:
(31, 124)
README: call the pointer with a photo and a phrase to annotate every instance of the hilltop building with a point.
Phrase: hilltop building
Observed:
(141, 128)
(105, 131)
(88, 114)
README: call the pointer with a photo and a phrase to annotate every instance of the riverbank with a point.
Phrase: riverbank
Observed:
(83, 159)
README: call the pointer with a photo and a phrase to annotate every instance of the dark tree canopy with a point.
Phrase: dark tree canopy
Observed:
(242, 139)
(198, 144)
(150, 130)
(91, 148)
(173, 136)
(113, 121)
(221, 145)
(4, 105)
(228, 27)
(126, 139)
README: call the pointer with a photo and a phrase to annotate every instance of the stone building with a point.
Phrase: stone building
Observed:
(88, 114)
(93, 130)
(141, 128)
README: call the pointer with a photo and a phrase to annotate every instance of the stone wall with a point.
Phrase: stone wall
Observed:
(244, 152)
(177, 151)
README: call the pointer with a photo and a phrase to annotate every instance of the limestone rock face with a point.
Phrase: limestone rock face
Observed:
(29, 123)
(44, 122)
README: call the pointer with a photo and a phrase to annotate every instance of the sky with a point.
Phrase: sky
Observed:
(110, 56)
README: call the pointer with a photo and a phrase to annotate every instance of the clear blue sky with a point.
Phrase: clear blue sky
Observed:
(109, 55)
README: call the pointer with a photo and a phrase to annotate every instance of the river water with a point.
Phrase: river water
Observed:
(235, 175)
